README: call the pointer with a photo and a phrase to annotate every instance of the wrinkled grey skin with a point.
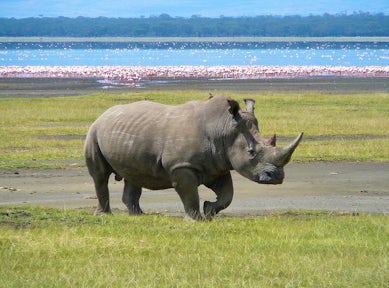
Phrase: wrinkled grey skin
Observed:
(158, 146)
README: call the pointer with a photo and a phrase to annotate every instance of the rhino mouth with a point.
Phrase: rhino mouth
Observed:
(271, 182)
(268, 178)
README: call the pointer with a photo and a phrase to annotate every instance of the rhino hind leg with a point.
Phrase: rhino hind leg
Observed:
(100, 171)
(100, 179)
(185, 182)
(224, 191)
(131, 196)
(102, 192)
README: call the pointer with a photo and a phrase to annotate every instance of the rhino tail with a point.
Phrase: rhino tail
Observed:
(97, 165)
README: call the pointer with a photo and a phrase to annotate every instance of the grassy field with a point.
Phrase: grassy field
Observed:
(71, 248)
(49, 132)
(44, 247)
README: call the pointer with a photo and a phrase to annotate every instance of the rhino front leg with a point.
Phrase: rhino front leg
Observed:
(224, 191)
(185, 182)
(131, 196)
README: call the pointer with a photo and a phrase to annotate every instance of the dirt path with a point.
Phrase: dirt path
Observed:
(335, 186)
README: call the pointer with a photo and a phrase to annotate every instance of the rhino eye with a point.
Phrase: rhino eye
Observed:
(251, 152)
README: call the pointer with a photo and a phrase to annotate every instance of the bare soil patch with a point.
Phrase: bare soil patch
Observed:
(330, 186)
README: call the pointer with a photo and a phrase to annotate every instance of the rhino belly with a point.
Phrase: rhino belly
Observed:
(137, 163)
(146, 179)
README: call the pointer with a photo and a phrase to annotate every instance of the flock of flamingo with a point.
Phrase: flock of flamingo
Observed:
(133, 74)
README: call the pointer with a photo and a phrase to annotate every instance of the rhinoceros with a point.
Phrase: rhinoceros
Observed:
(156, 146)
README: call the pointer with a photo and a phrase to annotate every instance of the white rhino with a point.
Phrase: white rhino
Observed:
(158, 146)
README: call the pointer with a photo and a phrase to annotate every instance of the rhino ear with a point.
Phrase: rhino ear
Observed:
(234, 107)
(249, 105)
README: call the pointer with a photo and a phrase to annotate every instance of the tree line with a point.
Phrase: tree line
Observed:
(357, 24)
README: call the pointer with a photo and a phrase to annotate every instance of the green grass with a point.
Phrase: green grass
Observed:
(49, 132)
(42, 247)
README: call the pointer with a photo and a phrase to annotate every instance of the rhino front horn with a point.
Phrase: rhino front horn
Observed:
(286, 153)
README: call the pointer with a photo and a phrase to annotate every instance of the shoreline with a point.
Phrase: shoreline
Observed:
(52, 81)
(60, 87)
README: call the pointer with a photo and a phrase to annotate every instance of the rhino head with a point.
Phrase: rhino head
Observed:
(252, 155)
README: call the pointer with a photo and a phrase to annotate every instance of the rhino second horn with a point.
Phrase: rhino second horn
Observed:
(273, 140)
(249, 105)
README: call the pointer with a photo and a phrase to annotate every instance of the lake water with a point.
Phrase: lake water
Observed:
(193, 54)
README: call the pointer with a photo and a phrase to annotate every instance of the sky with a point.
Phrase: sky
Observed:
(185, 8)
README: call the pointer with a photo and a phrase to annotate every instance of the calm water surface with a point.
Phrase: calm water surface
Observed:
(208, 54)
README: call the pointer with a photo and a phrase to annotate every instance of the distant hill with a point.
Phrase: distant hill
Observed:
(357, 24)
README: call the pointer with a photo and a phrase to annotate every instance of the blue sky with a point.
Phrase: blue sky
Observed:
(185, 8)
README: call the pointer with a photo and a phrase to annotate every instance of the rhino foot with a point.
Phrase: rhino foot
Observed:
(209, 210)
(135, 210)
(100, 212)
(193, 215)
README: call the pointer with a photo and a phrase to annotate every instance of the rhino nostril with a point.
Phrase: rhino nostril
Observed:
(265, 177)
